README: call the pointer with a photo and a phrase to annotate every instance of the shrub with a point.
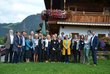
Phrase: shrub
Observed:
(1, 40)
(107, 41)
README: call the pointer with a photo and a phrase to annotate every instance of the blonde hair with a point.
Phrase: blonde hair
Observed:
(48, 37)
(36, 35)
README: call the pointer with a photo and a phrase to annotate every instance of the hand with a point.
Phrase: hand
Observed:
(31, 47)
(53, 48)
(95, 48)
(42, 47)
(18, 46)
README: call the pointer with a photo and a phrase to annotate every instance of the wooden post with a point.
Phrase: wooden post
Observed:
(64, 4)
(51, 4)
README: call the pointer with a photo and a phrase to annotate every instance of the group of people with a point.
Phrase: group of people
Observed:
(22, 47)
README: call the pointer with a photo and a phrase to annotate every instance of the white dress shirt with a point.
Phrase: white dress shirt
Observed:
(11, 39)
(36, 42)
(23, 43)
(92, 40)
(46, 43)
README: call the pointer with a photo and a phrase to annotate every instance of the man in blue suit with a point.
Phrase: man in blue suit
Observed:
(94, 46)
(17, 48)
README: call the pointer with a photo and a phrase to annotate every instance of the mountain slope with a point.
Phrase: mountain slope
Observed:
(29, 23)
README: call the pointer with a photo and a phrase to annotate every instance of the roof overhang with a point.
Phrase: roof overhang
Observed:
(83, 23)
(58, 4)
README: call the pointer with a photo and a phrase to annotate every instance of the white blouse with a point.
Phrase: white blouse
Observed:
(36, 41)
(46, 42)
(11, 39)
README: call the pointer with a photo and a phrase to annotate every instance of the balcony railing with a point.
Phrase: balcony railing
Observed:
(98, 17)
(57, 15)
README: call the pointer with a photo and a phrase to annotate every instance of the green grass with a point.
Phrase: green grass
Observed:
(103, 67)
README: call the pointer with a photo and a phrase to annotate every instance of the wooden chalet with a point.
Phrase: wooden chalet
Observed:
(77, 16)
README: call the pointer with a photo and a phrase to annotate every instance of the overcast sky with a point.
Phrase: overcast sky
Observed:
(12, 11)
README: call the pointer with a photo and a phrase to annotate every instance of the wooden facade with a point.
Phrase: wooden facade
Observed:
(92, 11)
(93, 17)
(96, 17)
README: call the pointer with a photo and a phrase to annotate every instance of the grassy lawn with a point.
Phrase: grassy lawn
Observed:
(103, 67)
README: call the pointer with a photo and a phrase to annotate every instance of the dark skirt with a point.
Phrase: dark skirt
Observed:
(28, 54)
(36, 50)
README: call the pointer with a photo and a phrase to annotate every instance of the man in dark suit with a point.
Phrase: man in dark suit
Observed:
(9, 45)
(24, 34)
(94, 46)
(17, 48)
(41, 45)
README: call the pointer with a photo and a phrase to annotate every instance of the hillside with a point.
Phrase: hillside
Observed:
(29, 23)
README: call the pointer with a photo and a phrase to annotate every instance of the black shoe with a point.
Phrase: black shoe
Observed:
(94, 65)
(5, 62)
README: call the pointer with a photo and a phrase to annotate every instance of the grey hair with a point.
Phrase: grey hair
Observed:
(11, 31)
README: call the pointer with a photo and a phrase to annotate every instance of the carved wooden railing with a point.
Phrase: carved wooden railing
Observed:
(72, 16)
(88, 17)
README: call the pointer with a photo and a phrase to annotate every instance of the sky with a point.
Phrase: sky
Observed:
(12, 11)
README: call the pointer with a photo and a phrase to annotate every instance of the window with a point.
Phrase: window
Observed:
(101, 35)
(73, 34)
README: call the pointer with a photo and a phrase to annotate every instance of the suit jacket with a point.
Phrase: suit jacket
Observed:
(40, 44)
(66, 48)
(60, 45)
(7, 41)
(81, 44)
(95, 42)
(55, 44)
(16, 43)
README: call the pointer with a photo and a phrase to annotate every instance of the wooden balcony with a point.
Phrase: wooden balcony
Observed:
(76, 16)
(95, 17)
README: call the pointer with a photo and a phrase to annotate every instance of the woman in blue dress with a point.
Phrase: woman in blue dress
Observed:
(29, 46)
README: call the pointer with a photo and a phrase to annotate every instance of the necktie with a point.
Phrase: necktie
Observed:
(19, 40)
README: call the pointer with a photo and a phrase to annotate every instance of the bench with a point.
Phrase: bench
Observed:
(2, 52)
(102, 54)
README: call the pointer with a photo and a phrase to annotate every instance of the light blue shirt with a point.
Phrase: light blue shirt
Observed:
(23, 43)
